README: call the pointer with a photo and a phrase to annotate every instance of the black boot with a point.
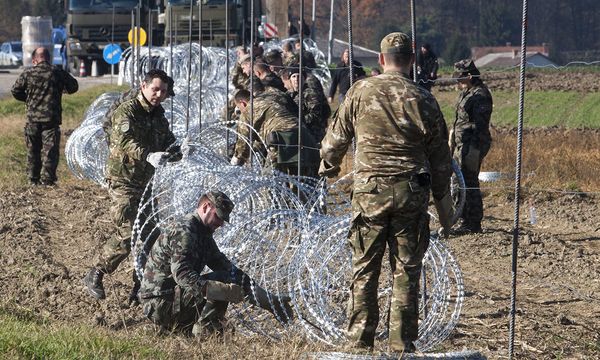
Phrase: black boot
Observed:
(133, 295)
(93, 283)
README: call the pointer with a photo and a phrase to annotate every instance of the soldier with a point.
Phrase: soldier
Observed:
(470, 138)
(274, 58)
(341, 77)
(277, 125)
(177, 295)
(130, 94)
(41, 87)
(239, 78)
(428, 67)
(315, 109)
(401, 154)
(139, 141)
(266, 76)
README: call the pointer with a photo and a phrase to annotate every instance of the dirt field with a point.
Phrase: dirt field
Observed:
(49, 237)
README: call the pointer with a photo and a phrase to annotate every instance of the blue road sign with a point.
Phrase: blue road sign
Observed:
(112, 54)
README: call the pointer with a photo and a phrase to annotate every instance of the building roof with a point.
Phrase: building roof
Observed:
(481, 51)
(513, 58)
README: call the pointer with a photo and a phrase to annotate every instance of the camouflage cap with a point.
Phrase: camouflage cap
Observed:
(396, 43)
(465, 66)
(223, 205)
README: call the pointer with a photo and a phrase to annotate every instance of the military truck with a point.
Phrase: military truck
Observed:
(89, 29)
(213, 21)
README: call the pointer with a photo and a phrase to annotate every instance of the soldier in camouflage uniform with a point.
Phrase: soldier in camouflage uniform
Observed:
(176, 293)
(130, 94)
(276, 123)
(471, 139)
(140, 139)
(401, 154)
(41, 87)
(266, 76)
(315, 107)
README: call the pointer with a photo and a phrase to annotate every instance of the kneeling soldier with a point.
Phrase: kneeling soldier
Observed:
(175, 293)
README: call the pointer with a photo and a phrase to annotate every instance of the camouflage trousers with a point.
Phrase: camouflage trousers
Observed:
(124, 210)
(387, 212)
(180, 311)
(43, 143)
(472, 213)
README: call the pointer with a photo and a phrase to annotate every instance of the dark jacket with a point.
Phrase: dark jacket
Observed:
(341, 77)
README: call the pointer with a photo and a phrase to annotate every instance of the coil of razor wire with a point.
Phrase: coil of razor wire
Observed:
(292, 244)
(286, 245)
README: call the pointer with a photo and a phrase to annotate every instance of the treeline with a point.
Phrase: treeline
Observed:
(452, 27)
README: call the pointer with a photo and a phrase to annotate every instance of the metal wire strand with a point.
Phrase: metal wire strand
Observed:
(518, 167)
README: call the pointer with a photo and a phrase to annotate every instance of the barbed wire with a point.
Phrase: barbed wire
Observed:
(293, 245)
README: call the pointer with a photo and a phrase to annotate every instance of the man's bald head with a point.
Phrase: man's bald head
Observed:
(39, 55)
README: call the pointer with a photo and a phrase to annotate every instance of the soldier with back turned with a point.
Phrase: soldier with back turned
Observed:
(401, 155)
(41, 88)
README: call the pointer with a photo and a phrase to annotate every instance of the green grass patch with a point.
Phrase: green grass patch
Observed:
(74, 106)
(567, 109)
(25, 335)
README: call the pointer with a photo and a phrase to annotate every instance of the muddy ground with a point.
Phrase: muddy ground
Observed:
(49, 237)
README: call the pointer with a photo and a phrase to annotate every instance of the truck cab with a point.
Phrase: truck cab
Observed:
(90, 26)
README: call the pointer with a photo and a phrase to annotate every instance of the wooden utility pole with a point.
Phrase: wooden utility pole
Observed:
(277, 14)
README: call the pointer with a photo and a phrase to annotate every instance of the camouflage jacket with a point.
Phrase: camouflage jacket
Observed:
(41, 87)
(132, 93)
(272, 80)
(473, 113)
(238, 78)
(179, 257)
(399, 130)
(273, 111)
(315, 107)
(137, 130)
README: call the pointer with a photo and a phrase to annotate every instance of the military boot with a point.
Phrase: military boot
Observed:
(93, 283)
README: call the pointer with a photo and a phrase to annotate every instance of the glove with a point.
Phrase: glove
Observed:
(235, 161)
(471, 160)
(185, 147)
(215, 290)
(445, 209)
(328, 170)
(276, 305)
(157, 158)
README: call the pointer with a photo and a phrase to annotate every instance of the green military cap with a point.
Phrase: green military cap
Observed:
(396, 43)
(465, 66)
(223, 205)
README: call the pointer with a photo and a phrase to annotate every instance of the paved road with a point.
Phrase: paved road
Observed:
(9, 76)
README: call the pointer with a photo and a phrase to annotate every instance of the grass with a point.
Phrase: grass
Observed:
(542, 108)
(25, 335)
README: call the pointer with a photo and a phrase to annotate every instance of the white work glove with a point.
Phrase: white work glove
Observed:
(471, 159)
(157, 158)
(215, 290)
(185, 147)
(235, 161)
(445, 209)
